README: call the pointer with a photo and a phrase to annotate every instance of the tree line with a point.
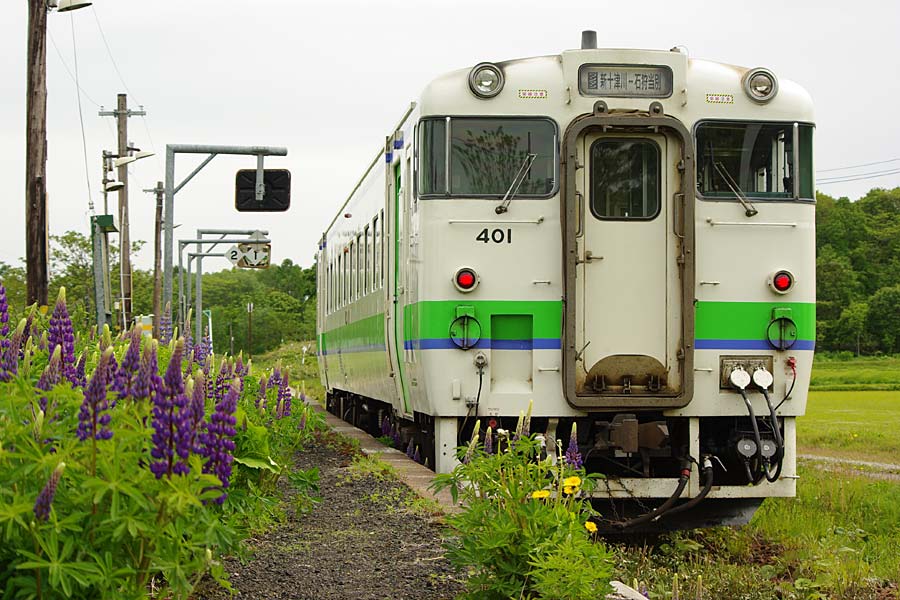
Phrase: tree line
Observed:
(283, 296)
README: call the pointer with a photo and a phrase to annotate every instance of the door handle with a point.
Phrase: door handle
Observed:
(588, 257)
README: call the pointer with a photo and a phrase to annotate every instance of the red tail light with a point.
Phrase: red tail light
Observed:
(465, 279)
(782, 281)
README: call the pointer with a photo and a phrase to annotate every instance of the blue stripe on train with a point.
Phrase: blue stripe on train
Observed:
(748, 345)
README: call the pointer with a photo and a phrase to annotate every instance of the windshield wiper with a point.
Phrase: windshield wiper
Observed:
(749, 209)
(516, 184)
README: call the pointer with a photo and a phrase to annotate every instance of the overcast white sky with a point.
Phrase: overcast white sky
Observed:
(328, 79)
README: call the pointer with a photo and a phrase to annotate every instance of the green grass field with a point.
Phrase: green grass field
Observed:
(857, 425)
(859, 374)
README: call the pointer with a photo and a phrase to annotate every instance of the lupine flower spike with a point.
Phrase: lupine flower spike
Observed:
(470, 451)
(573, 454)
(50, 377)
(218, 446)
(385, 426)
(93, 418)
(194, 417)
(284, 397)
(45, 498)
(62, 334)
(9, 358)
(148, 379)
(261, 395)
(4, 320)
(169, 437)
(131, 363)
(165, 325)
(488, 441)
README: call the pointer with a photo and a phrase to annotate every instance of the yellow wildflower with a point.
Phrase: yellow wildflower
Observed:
(591, 526)
(573, 481)
(569, 489)
(540, 494)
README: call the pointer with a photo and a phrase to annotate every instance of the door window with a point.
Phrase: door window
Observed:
(625, 179)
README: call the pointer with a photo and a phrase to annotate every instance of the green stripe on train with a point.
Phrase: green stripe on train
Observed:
(431, 320)
(748, 320)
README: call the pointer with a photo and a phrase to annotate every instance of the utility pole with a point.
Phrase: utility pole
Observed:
(36, 155)
(159, 190)
(122, 113)
(249, 330)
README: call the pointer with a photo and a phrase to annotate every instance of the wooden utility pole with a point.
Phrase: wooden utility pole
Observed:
(124, 235)
(36, 276)
(160, 191)
(249, 330)
(127, 292)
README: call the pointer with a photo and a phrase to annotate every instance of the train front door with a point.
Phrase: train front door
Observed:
(629, 283)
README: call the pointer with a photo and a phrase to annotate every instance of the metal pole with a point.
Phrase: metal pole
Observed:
(37, 277)
(99, 274)
(168, 208)
(182, 306)
(157, 258)
(198, 324)
(188, 301)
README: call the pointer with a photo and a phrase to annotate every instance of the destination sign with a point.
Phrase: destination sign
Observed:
(625, 81)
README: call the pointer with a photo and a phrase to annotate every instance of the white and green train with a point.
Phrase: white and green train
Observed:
(625, 237)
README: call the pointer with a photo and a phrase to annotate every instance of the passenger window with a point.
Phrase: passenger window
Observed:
(625, 179)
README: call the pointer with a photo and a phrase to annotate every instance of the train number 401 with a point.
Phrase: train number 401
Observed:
(498, 236)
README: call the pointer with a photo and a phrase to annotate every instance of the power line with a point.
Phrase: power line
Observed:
(878, 162)
(68, 70)
(858, 177)
(111, 57)
(81, 116)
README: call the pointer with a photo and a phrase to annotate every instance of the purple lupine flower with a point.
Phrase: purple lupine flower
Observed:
(201, 350)
(9, 360)
(275, 377)
(165, 325)
(148, 379)
(93, 418)
(573, 454)
(61, 333)
(223, 381)
(127, 373)
(410, 448)
(239, 369)
(26, 333)
(488, 441)
(196, 409)
(302, 425)
(80, 377)
(169, 437)
(218, 447)
(261, 395)
(395, 435)
(50, 377)
(4, 320)
(416, 456)
(284, 398)
(45, 498)
(385, 426)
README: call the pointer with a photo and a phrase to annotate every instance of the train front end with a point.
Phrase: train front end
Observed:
(627, 239)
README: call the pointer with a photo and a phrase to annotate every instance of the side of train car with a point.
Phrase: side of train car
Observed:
(624, 237)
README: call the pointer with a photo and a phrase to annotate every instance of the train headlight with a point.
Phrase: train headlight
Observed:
(781, 281)
(760, 85)
(486, 80)
(466, 279)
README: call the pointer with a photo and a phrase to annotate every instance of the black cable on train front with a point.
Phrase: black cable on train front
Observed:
(756, 474)
(459, 433)
(704, 491)
(662, 509)
(779, 441)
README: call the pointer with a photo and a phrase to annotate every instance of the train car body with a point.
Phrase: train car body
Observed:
(623, 237)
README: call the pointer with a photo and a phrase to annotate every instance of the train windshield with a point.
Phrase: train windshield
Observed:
(486, 155)
(754, 159)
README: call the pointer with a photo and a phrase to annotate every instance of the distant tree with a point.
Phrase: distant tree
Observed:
(850, 328)
(883, 321)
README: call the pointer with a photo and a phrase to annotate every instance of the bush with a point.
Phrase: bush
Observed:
(116, 480)
(525, 530)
